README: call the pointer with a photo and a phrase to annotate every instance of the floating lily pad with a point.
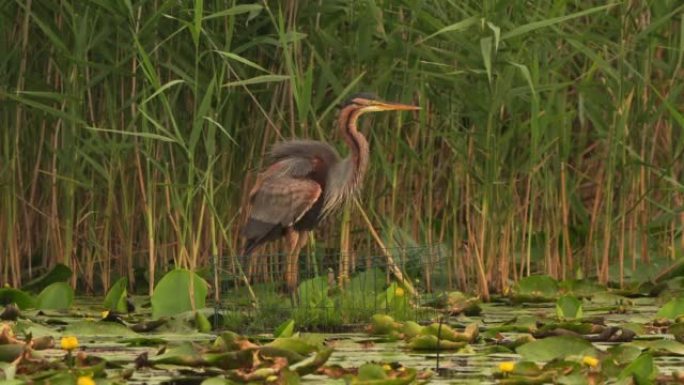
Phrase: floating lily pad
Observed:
(382, 324)
(431, 342)
(183, 354)
(35, 329)
(662, 347)
(98, 328)
(551, 348)
(293, 344)
(219, 380)
(372, 374)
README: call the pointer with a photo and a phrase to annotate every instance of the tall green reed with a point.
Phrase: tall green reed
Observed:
(550, 138)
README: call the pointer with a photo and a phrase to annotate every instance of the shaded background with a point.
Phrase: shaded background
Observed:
(550, 138)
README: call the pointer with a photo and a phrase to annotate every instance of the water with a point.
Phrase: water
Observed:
(354, 349)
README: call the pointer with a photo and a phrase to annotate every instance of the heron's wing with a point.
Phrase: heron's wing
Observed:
(294, 167)
(283, 200)
(279, 198)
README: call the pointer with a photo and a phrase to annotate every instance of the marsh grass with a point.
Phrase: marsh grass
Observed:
(549, 140)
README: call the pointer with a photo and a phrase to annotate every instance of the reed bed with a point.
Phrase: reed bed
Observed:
(550, 139)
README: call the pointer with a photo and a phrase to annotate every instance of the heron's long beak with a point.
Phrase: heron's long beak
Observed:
(387, 106)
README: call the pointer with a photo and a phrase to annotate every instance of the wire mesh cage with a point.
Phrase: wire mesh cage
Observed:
(335, 292)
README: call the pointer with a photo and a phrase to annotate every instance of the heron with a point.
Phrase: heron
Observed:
(306, 180)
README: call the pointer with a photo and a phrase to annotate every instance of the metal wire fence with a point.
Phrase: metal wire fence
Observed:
(335, 292)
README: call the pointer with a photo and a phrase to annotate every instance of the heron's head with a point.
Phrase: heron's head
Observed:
(366, 102)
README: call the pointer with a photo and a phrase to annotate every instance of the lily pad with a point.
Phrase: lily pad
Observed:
(662, 347)
(171, 296)
(57, 296)
(286, 329)
(219, 380)
(21, 298)
(293, 344)
(568, 308)
(643, 370)
(202, 323)
(550, 348)
(310, 365)
(116, 297)
(183, 354)
(35, 329)
(536, 288)
(384, 324)
(431, 342)
(10, 352)
(98, 328)
(373, 374)
(673, 309)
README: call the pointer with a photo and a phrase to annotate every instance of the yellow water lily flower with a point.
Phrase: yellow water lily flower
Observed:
(590, 361)
(69, 343)
(85, 380)
(386, 368)
(399, 292)
(507, 366)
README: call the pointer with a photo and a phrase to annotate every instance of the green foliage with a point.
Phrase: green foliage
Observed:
(116, 297)
(316, 307)
(358, 300)
(56, 296)
(172, 294)
(395, 301)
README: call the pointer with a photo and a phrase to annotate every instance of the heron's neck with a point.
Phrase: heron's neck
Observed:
(358, 146)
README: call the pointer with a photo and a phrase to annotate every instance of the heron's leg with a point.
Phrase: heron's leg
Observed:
(301, 242)
(292, 257)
